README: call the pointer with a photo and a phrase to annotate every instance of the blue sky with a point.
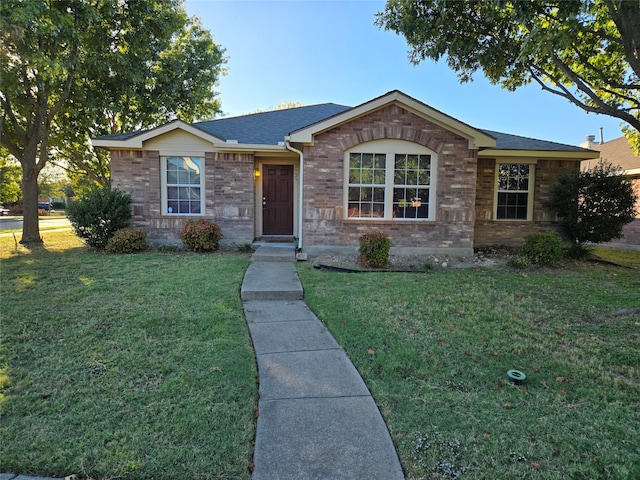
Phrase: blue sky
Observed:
(330, 51)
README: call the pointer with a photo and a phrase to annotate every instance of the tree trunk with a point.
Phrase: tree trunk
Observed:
(30, 224)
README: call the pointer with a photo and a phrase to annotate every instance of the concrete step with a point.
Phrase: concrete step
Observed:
(285, 253)
(277, 280)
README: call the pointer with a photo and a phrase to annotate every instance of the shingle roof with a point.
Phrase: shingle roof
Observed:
(269, 128)
(506, 141)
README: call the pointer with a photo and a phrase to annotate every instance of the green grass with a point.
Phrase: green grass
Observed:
(434, 349)
(627, 258)
(124, 366)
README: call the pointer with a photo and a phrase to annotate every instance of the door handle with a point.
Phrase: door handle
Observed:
(264, 202)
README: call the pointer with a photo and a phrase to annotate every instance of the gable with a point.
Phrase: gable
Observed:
(179, 143)
(390, 122)
(135, 140)
(476, 138)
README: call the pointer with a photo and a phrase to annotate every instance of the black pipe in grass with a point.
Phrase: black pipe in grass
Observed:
(332, 268)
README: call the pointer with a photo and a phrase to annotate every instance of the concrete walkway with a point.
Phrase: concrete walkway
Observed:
(317, 419)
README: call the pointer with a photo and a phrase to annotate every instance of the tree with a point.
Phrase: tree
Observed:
(586, 51)
(72, 69)
(594, 205)
(9, 179)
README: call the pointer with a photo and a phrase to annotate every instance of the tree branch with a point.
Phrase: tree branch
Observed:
(606, 80)
(587, 90)
(564, 92)
(8, 111)
(627, 19)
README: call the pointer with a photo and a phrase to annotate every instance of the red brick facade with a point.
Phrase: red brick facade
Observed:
(229, 192)
(463, 210)
(323, 217)
(488, 231)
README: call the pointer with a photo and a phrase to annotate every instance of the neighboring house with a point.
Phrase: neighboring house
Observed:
(324, 175)
(618, 152)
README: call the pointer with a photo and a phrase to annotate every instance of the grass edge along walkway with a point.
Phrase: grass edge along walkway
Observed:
(125, 365)
(434, 349)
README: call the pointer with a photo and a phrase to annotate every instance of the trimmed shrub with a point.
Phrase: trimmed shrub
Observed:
(97, 216)
(127, 240)
(542, 248)
(374, 250)
(201, 235)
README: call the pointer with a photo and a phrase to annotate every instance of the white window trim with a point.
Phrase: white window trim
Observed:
(532, 182)
(391, 147)
(163, 187)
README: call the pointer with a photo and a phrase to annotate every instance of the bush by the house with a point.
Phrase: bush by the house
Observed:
(201, 235)
(594, 205)
(374, 250)
(127, 240)
(543, 248)
(98, 215)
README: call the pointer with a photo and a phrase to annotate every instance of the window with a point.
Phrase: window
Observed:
(383, 183)
(411, 180)
(183, 185)
(367, 173)
(514, 195)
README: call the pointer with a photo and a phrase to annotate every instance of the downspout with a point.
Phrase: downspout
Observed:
(300, 189)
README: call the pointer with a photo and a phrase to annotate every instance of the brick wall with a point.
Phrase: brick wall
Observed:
(323, 222)
(631, 231)
(228, 196)
(491, 232)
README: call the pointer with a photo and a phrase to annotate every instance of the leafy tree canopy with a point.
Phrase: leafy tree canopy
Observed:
(74, 69)
(587, 51)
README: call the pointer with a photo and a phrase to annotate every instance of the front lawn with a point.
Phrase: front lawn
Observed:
(434, 349)
(124, 366)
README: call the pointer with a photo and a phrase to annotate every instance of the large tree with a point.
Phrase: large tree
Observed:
(587, 51)
(71, 69)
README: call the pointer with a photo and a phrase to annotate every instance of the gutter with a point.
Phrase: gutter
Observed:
(300, 190)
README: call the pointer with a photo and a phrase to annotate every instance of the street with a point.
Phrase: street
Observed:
(15, 223)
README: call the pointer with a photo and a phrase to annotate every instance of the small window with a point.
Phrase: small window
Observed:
(183, 185)
(514, 194)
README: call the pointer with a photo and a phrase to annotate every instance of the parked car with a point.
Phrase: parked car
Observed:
(45, 206)
(4, 210)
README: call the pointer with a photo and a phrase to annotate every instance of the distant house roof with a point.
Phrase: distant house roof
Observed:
(618, 152)
(271, 128)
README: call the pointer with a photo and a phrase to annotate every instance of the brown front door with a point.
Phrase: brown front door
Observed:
(277, 201)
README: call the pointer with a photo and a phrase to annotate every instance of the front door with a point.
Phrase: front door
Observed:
(277, 201)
